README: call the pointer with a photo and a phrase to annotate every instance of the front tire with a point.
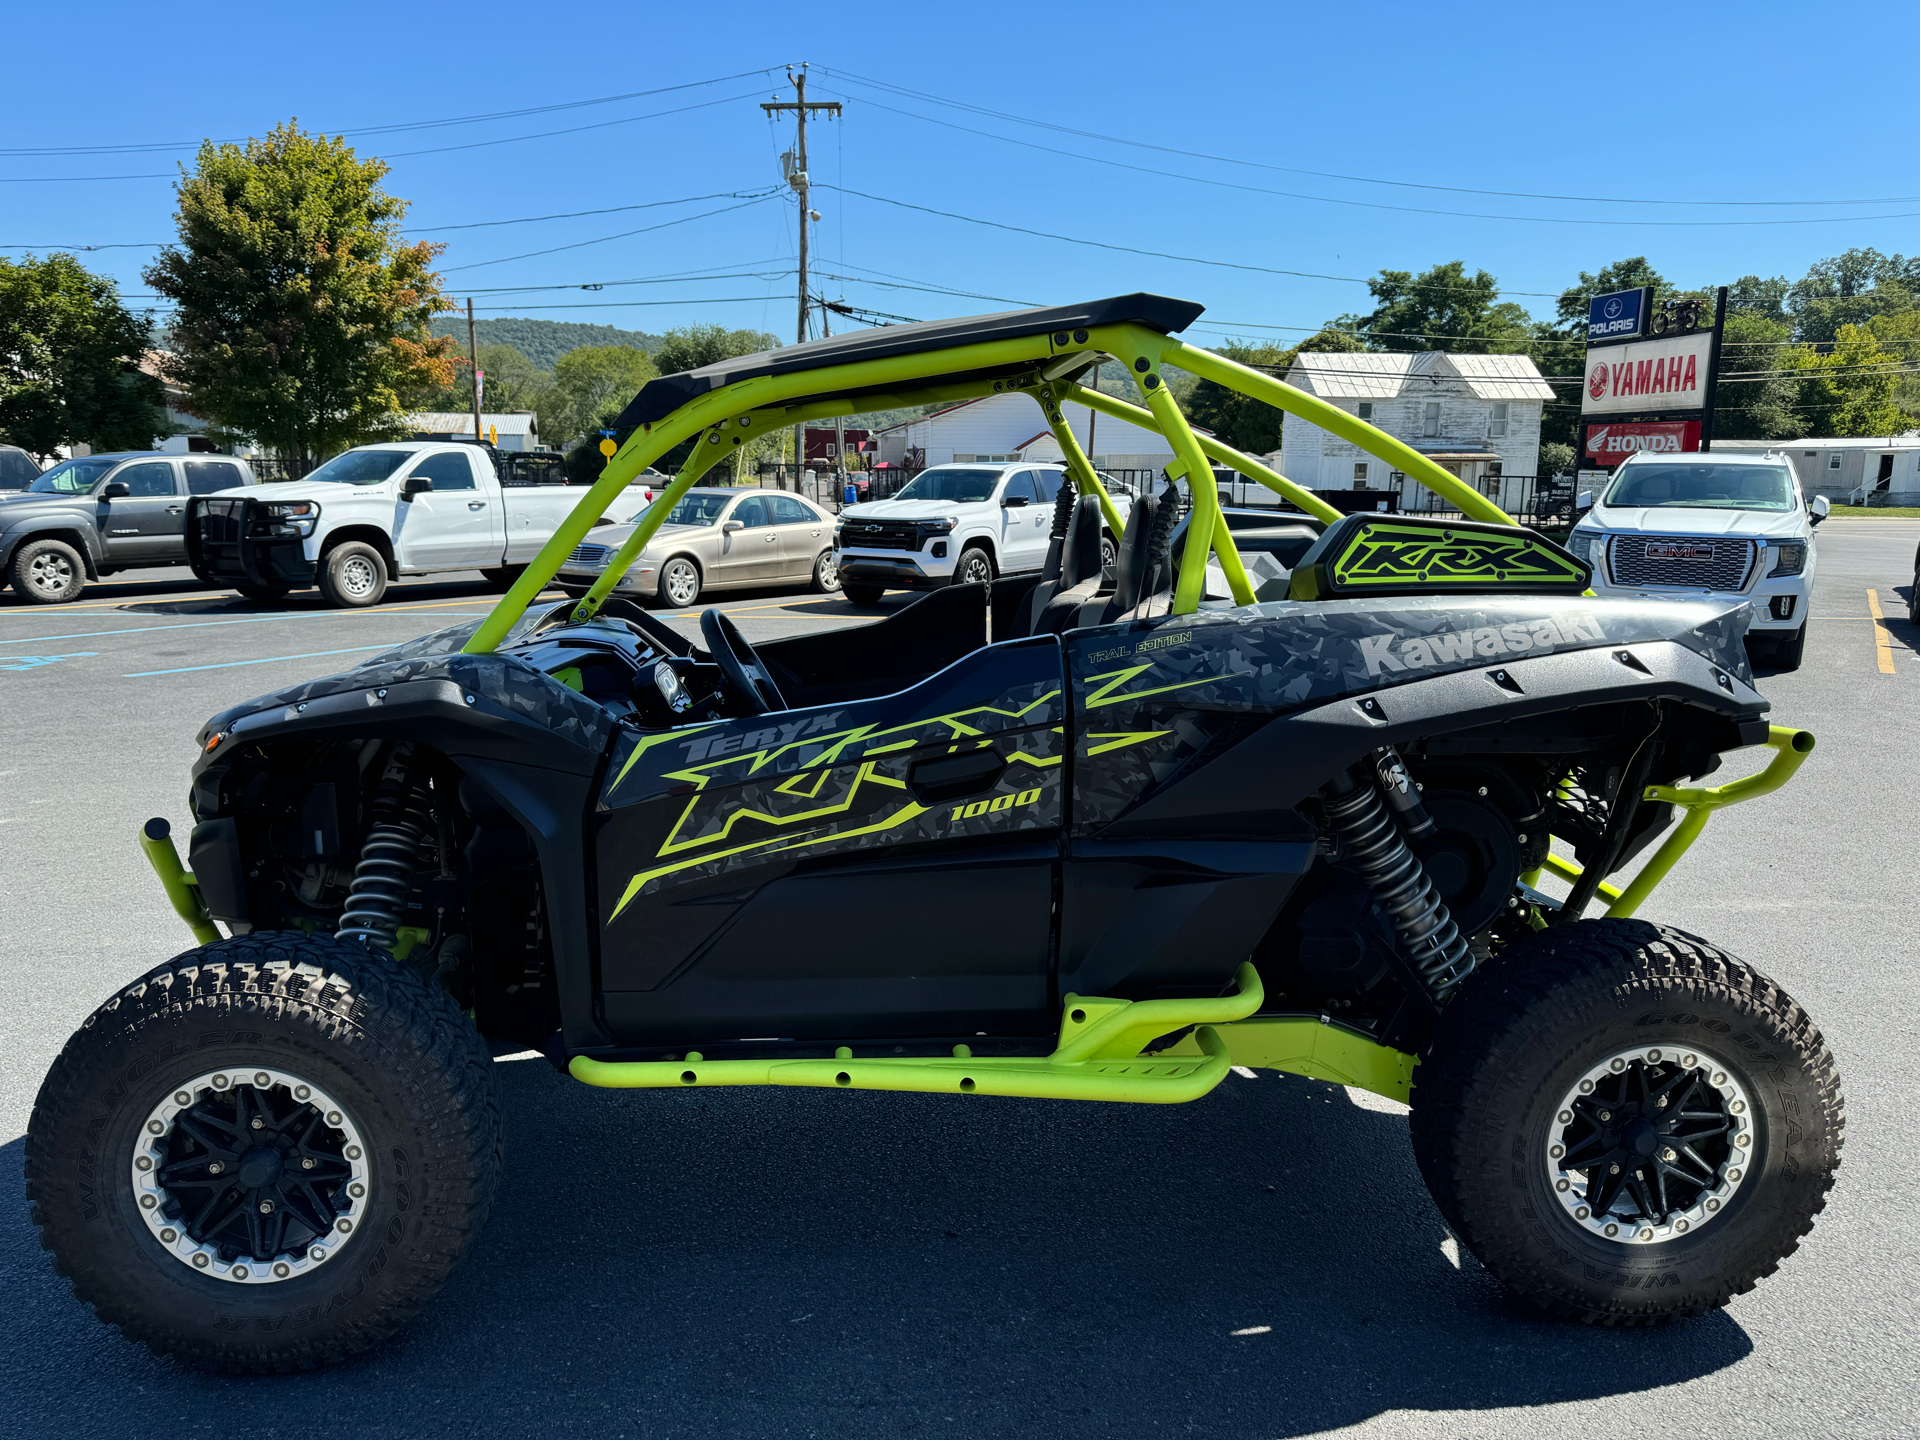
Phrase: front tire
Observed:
(263, 594)
(1572, 1039)
(337, 1068)
(975, 567)
(353, 575)
(679, 582)
(1789, 650)
(502, 578)
(862, 595)
(48, 572)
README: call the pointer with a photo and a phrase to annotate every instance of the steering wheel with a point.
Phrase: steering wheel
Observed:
(743, 676)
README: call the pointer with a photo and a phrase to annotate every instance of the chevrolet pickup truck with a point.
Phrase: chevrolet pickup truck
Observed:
(373, 514)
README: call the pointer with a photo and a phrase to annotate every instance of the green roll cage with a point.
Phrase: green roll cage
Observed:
(730, 416)
(1099, 1056)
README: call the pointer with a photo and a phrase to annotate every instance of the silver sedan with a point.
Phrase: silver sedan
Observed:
(715, 539)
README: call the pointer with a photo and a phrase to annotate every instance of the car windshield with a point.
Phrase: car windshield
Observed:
(696, 509)
(361, 467)
(955, 483)
(1703, 484)
(70, 477)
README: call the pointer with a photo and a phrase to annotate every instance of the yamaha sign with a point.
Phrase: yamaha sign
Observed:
(1620, 316)
(1667, 374)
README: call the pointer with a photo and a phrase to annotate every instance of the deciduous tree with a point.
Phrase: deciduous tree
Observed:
(69, 356)
(301, 314)
(1251, 426)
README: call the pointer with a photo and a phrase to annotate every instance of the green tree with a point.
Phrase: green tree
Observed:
(1251, 426)
(1555, 459)
(301, 316)
(591, 386)
(69, 355)
(1850, 289)
(513, 382)
(1847, 387)
(693, 346)
(1443, 308)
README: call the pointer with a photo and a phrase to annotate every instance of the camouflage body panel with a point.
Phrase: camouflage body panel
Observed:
(684, 806)
(1188, 687)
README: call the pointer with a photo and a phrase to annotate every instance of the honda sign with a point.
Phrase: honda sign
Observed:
(1609, 445)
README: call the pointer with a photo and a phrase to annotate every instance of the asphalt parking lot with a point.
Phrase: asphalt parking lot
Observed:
(771, 1262)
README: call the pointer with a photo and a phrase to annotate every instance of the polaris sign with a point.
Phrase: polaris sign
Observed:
(1620, 316)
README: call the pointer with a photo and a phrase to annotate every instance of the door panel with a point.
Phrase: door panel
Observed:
(803, 533)
(1023, 543)
(752, 553)
(456, 524)
(802, 873)
(149, 523)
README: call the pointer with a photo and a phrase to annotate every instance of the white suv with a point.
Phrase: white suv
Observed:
(1727, 527)
(952, 524)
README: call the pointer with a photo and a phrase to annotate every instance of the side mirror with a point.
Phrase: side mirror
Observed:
(413, 485)
(114, 490)
(1818, 509)
(728, 527)
(1013, 501)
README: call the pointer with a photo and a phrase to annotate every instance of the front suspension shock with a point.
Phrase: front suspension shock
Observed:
(401, 819)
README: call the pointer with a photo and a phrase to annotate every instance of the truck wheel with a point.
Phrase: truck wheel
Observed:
(264, 594)
(1625, 1124)
(862, 595)
(353, 574)
(826, 573)
(680, 582)
(266, 1154)
(48, 572)
(503, 577)
(975, 567)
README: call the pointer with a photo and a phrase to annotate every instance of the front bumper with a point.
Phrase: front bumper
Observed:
(1775, 607)
(896, 569)
(224, 551)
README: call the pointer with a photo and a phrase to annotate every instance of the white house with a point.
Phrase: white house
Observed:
(1010, 427)
(517, 429)
(1883, 467)
(1478, 416)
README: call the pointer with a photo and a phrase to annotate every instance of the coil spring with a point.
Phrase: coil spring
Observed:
(1400, 883)
(402, 821)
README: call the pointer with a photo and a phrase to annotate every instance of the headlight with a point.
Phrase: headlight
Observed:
(1789, 558)
(944, 526)
(1584, 546)
(290, 517)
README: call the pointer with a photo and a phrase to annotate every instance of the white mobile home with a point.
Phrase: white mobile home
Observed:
(1010, 427)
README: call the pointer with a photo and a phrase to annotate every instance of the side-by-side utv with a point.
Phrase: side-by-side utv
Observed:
(1075, 837)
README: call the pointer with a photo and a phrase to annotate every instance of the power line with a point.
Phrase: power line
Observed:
(917, 94)
(1367, 204)
(397, 127)
(603, 239)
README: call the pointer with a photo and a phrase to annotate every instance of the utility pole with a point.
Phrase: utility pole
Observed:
(1714, 368)
(473, 363)
(797, 178)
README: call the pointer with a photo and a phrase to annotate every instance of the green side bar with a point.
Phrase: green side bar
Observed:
(1307, 500)
(1098, 1059)
(1078, 465)
(1697, 803)
(703, 459)
(156, 839)
(1322, 1050)
(1222, 371)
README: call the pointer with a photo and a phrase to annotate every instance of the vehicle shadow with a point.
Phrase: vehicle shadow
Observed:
(777, 1262)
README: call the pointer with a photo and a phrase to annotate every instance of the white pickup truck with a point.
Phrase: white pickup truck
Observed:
(373, 514)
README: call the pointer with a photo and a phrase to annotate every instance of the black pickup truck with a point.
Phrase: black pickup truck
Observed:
(94, 515)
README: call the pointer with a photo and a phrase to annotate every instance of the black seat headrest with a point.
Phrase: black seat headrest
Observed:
(1081, 558)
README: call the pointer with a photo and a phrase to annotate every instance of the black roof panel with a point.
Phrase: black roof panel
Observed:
(662, 397)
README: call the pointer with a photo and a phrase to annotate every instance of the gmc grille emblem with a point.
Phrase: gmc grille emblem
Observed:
(1668, 550)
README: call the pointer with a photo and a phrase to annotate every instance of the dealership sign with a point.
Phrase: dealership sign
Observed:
(1608, 445)
(1648, 375)
(1620, 316)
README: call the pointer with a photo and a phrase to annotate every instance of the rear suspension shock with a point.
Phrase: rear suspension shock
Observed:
(1428, 935)
(400, 820)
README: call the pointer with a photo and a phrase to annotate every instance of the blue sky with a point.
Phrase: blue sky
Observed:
(1777, 103)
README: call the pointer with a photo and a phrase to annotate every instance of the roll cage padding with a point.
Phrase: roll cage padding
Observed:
(660, 398)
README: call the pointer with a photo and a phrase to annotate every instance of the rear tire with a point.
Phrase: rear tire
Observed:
(502, 577)
(355, 1030)
(826, 573)
(48, 572)
(353, 575)
(1511, 1057)
(862, 595)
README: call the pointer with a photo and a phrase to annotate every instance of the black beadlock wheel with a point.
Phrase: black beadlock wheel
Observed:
(1625, 1124)
(267, 1154)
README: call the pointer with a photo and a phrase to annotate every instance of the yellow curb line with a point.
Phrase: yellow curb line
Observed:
(1883, 646)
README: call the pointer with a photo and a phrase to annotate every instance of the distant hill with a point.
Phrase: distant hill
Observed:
(543, 341)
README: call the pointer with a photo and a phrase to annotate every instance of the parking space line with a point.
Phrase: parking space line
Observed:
(263, 660)
(1883, 643)
(193, 625)
(34, 612)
